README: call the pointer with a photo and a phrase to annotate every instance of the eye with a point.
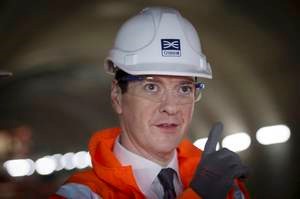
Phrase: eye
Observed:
(151, 87)
(186, 89)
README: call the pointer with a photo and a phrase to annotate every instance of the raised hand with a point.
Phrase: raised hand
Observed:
(217, 170)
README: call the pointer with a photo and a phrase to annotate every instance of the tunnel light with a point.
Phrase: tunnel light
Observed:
(19, 167)
(237, 142)
(200, 143)
(57, 159)
(81, 159)
(45, 165)
(67, 161)
(273, 134)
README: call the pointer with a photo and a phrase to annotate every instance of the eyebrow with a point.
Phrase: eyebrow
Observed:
(157, 79)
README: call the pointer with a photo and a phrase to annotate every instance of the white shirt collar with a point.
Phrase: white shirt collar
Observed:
(144, 170)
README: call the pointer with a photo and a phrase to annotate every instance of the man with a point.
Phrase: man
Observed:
(156, 61)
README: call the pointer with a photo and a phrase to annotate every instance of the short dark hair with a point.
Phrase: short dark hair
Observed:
(123, 84)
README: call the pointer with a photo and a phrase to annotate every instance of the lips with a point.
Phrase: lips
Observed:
(167, 125)
(169, 128)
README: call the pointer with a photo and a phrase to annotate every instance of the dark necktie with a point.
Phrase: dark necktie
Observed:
(165, 178)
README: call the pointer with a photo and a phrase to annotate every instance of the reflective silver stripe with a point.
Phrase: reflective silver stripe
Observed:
(77, 191)
(238, 194)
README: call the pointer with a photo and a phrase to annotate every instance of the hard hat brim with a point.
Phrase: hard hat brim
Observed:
(172, 69)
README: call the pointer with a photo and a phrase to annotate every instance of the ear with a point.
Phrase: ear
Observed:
(116, 97)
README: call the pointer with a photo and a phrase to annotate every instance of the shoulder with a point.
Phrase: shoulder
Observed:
(81, 184)
(87, 178)
(87, 175)
(75, 190)
(85, 181)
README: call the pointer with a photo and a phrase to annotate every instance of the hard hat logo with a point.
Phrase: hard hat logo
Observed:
(170, 48)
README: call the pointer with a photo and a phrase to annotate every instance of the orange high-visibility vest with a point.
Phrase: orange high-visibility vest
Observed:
(109, 179)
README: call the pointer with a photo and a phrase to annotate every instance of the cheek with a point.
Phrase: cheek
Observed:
(137, 112)
(187, 114)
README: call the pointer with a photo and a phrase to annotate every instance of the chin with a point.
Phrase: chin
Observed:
(166, 147)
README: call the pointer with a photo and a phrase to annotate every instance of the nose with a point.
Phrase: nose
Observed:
(169, 104)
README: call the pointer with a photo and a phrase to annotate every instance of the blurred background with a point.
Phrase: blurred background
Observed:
(59, 93)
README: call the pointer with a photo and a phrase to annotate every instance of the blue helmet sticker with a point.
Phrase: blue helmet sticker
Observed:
(170, 48)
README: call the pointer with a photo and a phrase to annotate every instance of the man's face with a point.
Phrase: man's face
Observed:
(153, 125)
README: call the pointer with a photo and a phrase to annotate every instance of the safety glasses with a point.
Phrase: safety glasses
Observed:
(151, 88)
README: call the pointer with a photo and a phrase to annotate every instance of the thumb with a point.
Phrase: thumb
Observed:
(213, 138)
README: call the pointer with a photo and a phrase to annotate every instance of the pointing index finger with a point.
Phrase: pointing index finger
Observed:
(213, 138)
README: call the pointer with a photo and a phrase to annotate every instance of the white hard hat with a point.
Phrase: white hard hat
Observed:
(158, 41)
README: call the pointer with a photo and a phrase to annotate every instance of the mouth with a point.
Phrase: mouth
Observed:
(170, 127)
